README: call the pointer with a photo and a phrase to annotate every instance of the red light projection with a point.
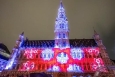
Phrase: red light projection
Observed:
(65, 60)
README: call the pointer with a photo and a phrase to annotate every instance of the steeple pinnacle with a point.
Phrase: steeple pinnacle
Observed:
(95, 31)
(61, 28)
(61, 4)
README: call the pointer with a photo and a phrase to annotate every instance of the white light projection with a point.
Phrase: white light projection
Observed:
(98, 65)
(77, 53)
(74, 68)
(29, 53)
(29, 66)
(54, 68)
(30, 50)
(95, 66)
(26, 65)
(93, 50)
(47, 54)
(62, 58)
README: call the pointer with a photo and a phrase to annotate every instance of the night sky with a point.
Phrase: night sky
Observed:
(37, 19)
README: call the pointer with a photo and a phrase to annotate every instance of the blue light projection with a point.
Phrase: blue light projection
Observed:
(47, 54)
(2, 64)
(77, 53)
(62, 58)
(55, 68)
(74, 68)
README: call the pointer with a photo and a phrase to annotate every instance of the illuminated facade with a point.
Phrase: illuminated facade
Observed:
(61, 57)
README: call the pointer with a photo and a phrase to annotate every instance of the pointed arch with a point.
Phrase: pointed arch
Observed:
(59, 35)
(64, 35)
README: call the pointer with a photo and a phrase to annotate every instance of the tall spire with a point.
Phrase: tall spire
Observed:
(61, 4)
(61, 28)
(61, 18)
(61, 10)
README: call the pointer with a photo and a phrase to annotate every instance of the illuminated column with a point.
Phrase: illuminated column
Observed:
(61, 29)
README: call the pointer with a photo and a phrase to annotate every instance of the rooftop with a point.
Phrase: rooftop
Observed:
(50, 43)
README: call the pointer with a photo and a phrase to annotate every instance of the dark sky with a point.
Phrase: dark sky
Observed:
(36, 18)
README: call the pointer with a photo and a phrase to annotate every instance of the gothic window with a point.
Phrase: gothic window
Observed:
(48, 55)
(62, 15)
(64, 43)
(40, 55)
(59, 55)
(63, 35)
(44, 55)
(59, 35)
(74, 54)
(62, 25)
(78, 54)
(52, 55)
(64, 54)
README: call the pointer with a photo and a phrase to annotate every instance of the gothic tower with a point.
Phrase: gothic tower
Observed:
(61, 29)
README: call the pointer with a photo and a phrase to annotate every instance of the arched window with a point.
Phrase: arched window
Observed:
(61, 15)
(64, 54)
(49, 55)
(64, 43)
(59, 35)
(52, 55)
(62, 25)
(63, 35)
(41, 55)
(44, 56)
(59, 55)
